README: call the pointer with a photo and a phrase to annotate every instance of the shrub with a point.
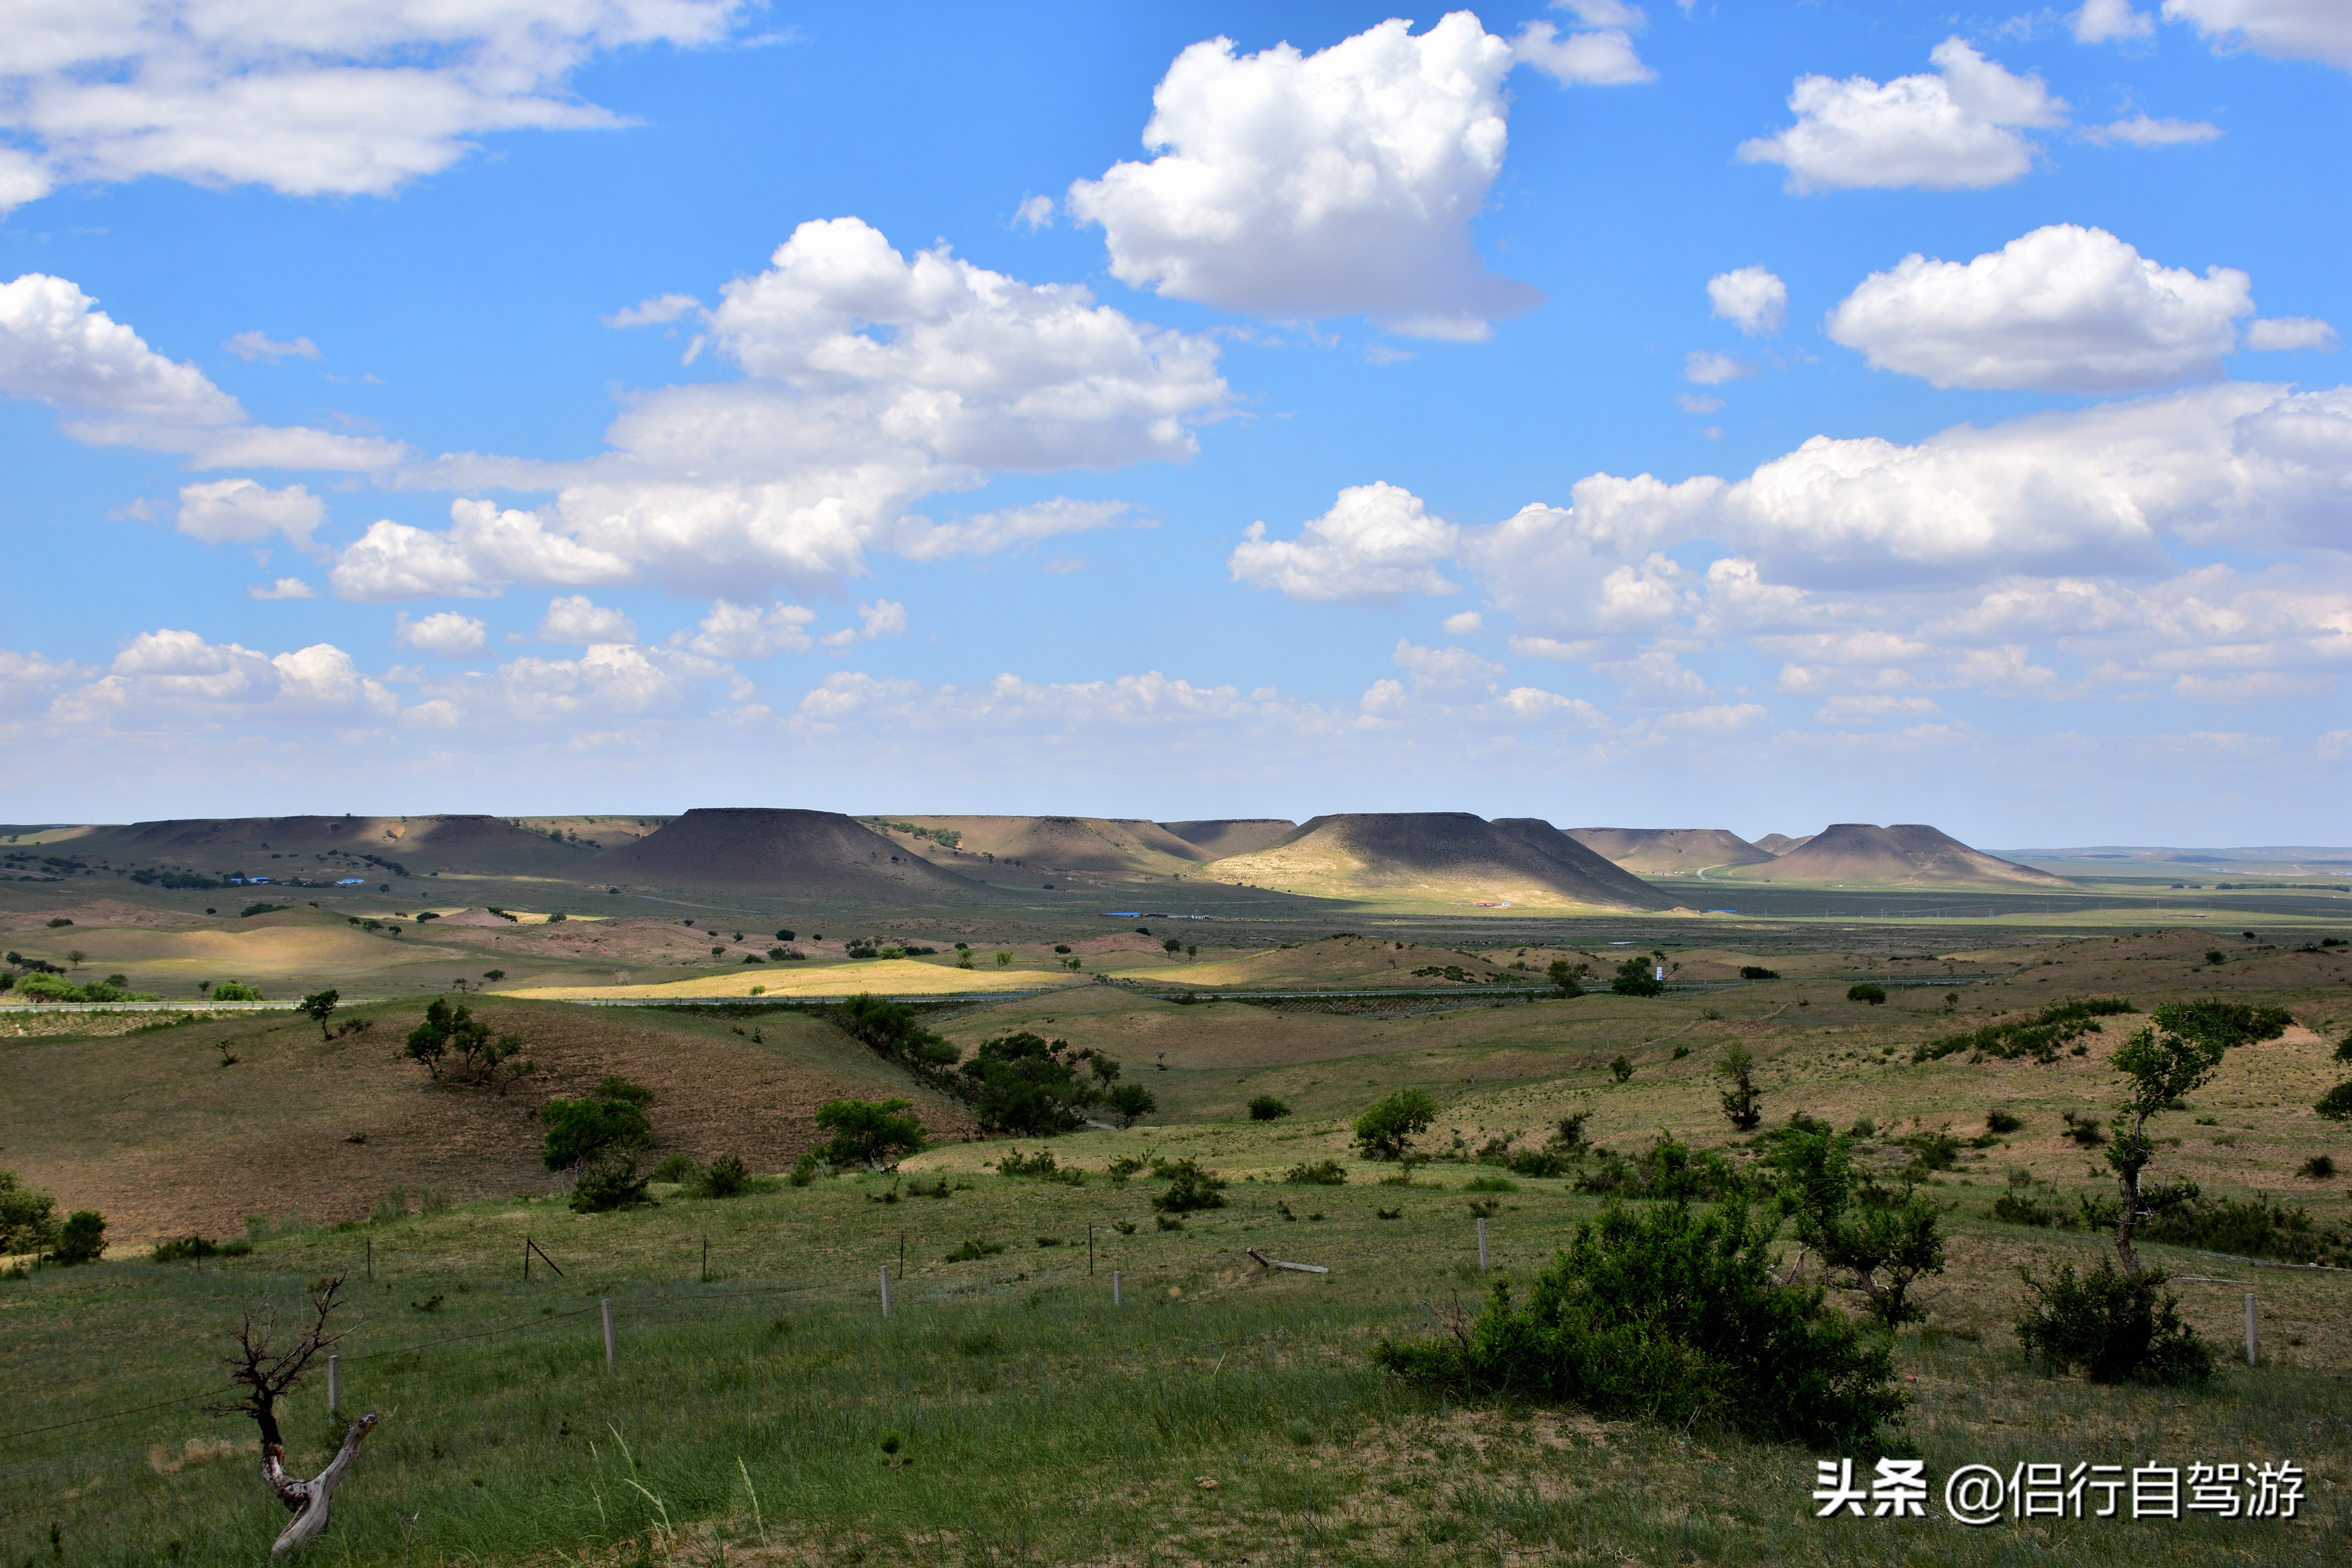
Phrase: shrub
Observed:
(1490, 1185)
(1321, 1174)
(82, 1239)
(1386, 1130)
(895, 1030)
(804, 1170)
(1621, 1068)
(2337, 1103)
(2319, 1167)
(1758, 972)
(611, 1183)
(871, 1132)
(1874, 995)
(1266, 1108)
(972, 1251)
(237, 991)
(684, 1170)
(2115, 1327)
(1635, 978)
(1189, 1188)
(2084, 1129)
(726, 1177)
(28, 1217)
(1566, 978)
(1129, 1101)
(1743, 1102)
(2027, 1207)
(598, 1138)
(1669, 1313)
(1999, 1121)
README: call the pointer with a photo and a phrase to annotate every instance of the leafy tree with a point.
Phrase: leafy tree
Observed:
(1671, 1314)
(2163, 1064)
(2337, 1103)
(1743, 1102)
(1886, 1239)
(1172, 946)
(1266, 1108)
(27, 1216)
(237, 991)
(1621, 1068)
(1874, 995)
(1635, 977)
(319, 1007)
(1129, 1101)
(448, 1031)
(871, 1132)
(1387, 1128)
(1758, 972)
(1021, 1083)
(82, 1239)
(1566, 978)
(896, 1030)
(609, 1119)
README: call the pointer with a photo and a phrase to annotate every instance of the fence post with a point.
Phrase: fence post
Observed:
(611, 1349)
(371, 1246)
(886, 1290)
(1482, 1244)
(1114, 1287)
(2250, 1328)
(1090, 1249)
(334, 1383)
(706, 1258)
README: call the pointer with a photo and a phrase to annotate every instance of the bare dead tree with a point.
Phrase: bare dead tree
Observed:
(267, 1367)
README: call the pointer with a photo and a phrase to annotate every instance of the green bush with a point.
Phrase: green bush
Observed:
(1266, 1108)
(1026, 1085)
(684, 1170)
(1189, 1188)
(1321, 1174)
(1621, 1068)
(611, 1183)
(237, 991)
(28, 1217)
(82, 1239)
(1758, 972)
(1874, 995)
(873, 1133)
(1999, 1121)
(2039, 1037)
(1635, 978)
(1566, 978)
(195, 1249)
(1743, 1102)
(804, 1170)
(2337, 1103)
(725, 1177)
(1669, 1313)
(1129, 1101)
(1387, 1128)
(974, 1251)
(598, 1138)
(2115, 1328)
(2319, 1167)
(1490, 1185)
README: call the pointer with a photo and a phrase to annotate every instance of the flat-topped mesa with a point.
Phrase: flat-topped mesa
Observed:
(1116, 847)
(1217, 837)
(1670, 852)
(810, 854)
(455, 842)
(1449, 856)
(1902, 855)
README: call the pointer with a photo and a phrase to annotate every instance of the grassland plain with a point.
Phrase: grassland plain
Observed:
(752, 1412)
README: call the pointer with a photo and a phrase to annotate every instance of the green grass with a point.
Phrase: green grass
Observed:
(1035, 1422)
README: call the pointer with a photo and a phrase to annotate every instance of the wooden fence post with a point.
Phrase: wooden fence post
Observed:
(334, 1383)
(886, 1290)
(612, 1351)
(2250, 1328)
(1482, 1244)
(1114, 1287)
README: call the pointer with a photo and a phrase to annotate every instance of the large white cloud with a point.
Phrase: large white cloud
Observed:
(1377, 543)
(446, 633)
(872, 379)
(1752, 299)
(311, 100)
(578, 619)
(2064, 309)
(175, 677)
(1961, 129)
(57, 347)
(1341, 182)
(2290, 29)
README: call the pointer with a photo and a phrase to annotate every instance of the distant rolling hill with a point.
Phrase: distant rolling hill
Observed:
(1781, 843)
(332, 846)
(1442, 856)
(1219, 836)
(809, 854)
(1116, 846)
(1908, 855)
(1669, 851)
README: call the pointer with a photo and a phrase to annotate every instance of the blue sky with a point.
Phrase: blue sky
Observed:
(1753, 415)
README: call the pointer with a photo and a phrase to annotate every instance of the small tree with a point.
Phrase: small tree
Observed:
(1266, 1108)
(1635, 978)
(1129, 1101)
(319, 1007)
(267, 1374)
(1172, 946)
(596, 1140)
(869, 1133)
(28, 1217)
(1022, 1083)
(1387, 1128)
(82, 1239)
(2163, 1064)
(1566, 978)
(1874, 995)
(1621, 1068)
(2337, 1103)
(1743, 1102)
(1886, 1239)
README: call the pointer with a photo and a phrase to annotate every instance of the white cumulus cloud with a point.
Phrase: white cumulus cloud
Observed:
(575, 618)
(243, 512)
(446, 633)
(1600, 55)
(920, 538)
(1750, 298)
(57, 347)
(1961, 129)
(307, 99)
(284, 588)
(2064, 309)
(655, 311)
(2286, 29)
(2106, 21)
(2282, 333)
(1337, 184)
(1376, 544)
(488, 550)
(747, 632)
